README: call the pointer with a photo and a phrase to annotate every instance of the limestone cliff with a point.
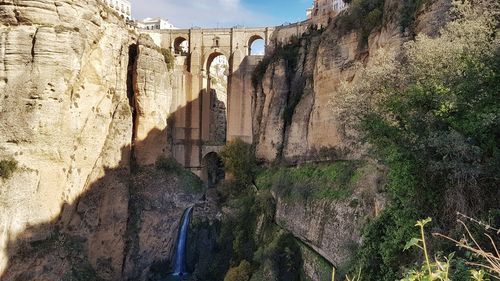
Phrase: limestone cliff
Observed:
(295, 121)
(77, 107)
(152, 87)
(64, 115)
(294, 117)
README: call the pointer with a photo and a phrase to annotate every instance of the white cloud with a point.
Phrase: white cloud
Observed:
(203, 13)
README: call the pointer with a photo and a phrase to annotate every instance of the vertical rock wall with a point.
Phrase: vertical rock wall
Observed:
(325, 61)
(64, 114)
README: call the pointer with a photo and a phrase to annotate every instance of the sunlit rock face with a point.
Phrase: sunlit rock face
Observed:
(324, 63)
(64, 111)
(314, 130)
(152, 87)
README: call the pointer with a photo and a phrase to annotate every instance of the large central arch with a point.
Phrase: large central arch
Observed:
(215, 99)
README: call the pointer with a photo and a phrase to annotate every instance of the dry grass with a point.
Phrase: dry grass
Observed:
(469, 243)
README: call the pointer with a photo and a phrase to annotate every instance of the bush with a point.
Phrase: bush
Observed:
(168, 164)
(332, 181)
(410, 9)
(242, 272)
(239, 161)
(168, 57)
(7, 168)
(189, 182)
(432, 117)
(288, 52)
(363, 16)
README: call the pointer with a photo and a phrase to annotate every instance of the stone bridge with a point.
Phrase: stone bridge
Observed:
(196, 127)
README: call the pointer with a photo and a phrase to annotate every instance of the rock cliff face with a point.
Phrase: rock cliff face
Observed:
(309, 91)
(333, 227)
(295, 121)
(65, 115)
(81, 97)
(152, 86)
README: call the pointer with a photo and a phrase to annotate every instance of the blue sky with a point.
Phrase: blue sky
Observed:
(222, 13)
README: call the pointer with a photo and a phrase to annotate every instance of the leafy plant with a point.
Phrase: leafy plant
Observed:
(490, 260)
(331, 181)
(431, 116)
(437, 270)
(189, 182)
(242, 272)
(239, 161)
(168, 57)
(7, 168)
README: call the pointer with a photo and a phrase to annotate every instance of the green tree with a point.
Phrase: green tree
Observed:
(239, 161)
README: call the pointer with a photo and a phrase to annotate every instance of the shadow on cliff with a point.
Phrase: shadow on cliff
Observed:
(127, 219)
(96, 237)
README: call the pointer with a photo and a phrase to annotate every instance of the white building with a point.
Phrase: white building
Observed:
(325, 8)
(155, 23)
(122, 7)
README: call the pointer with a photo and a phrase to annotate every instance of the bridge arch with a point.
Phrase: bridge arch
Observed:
(215, 98)
(254, 43)
(212, 169)
(181, 45)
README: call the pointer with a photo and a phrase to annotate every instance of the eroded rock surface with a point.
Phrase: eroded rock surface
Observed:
(324, 62)
(80, 95)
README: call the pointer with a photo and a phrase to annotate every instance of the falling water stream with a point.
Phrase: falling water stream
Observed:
(179, 261)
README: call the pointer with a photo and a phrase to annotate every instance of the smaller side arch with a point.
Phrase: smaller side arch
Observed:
(181, 46)
(252, 40)
(212, 170)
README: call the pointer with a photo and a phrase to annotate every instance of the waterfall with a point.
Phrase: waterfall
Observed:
(179, 264)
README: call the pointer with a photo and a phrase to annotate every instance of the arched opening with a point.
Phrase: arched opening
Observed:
(181, 46)
(256, 46)
(215, 100)
(212, 169)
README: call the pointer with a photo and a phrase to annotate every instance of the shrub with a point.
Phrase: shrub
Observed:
(242, 272)
(239, 161)
(363, 16)
(410, 9)
(431, 116)
(189, 182)
(168, 57)
(168, 164)
(288, 52)
(332, 181)
(7, 168)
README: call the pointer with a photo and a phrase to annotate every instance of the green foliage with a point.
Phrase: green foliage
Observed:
(242, 272)
(239, 161)
(432, 116)
(168, 164)
(168, 57)
(288, 52)
(438, 269)
(362, 15)
(410, 8)
(312, 181)
(189, 182)
(7, 168)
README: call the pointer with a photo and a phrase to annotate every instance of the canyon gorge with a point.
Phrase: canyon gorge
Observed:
(112, 133)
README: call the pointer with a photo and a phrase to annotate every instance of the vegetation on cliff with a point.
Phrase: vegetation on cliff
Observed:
(248, 246)
(188, 181)
(7, 168)
(239, 161)
(432, 116)
(331, 181)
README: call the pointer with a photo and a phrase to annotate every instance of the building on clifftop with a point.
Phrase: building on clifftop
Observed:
(322, 10)
(122, 7)
(154, 23)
